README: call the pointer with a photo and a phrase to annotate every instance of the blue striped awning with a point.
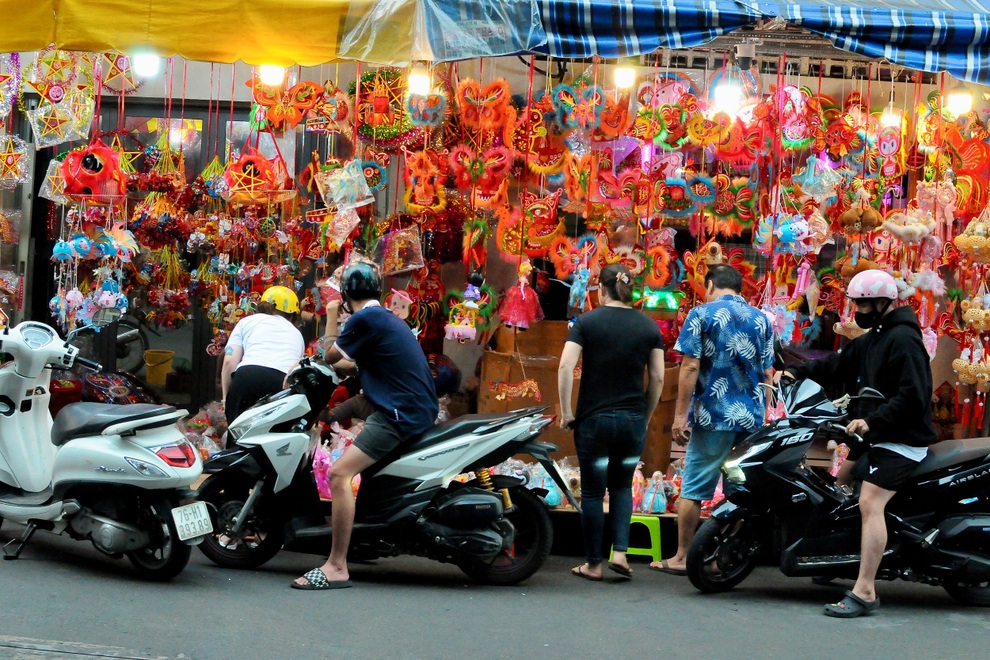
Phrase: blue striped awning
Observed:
(930, 35)
(621, 28)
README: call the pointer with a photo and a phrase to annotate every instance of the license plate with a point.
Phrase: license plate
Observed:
(192, 520)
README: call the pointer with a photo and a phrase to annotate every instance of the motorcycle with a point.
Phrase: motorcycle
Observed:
(115, 475)
(263, 497)
(938, 522)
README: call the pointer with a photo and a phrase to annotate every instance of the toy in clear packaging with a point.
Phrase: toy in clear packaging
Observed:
(638, 487)
(654, 498)
(347, 187)
(840, 452)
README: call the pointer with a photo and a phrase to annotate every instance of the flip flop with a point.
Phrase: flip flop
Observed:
(664, 567)
(577, 572)
(624, 571)
(851, 606)
(316, 580)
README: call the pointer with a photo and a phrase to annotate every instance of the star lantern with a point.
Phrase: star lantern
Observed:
(13, 164)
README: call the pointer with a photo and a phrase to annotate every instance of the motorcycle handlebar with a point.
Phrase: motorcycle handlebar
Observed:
(89, 364)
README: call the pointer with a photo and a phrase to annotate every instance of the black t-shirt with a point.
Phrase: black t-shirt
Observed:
(616, 343)
(393, 370)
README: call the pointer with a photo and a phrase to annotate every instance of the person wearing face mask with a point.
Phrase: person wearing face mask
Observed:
(891, 358)
(727, 346)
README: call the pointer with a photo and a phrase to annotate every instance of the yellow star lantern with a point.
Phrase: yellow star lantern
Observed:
(13, 167)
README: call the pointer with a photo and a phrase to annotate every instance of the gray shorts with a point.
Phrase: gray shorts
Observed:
(378, 437)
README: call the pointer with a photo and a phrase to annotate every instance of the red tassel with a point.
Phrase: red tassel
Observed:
(957, 401)
(965, 417)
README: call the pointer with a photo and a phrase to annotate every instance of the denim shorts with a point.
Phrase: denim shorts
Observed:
(706, 451)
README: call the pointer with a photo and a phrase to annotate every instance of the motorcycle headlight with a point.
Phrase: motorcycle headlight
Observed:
(733, 467)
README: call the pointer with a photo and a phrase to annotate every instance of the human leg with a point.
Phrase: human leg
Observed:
(593, 464)
(872, 503)
(706, 452)
(342, 472)
(625, 448)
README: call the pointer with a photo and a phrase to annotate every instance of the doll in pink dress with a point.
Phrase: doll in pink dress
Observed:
(521, 307)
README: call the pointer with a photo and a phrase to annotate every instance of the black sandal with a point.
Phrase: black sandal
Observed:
(851, 607)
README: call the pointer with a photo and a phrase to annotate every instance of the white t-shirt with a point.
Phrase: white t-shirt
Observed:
(268, 341)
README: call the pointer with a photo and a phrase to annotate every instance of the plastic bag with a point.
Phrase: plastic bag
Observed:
(346, 187)
(403, 251)
(341, 225)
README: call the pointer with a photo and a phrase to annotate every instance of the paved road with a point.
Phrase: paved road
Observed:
(63, 599)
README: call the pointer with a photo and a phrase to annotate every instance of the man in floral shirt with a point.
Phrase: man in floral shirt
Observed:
(727, 346)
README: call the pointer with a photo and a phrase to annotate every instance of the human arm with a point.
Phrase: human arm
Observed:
(232, 356)
(565, 381)
(686, 382)
(655, 369)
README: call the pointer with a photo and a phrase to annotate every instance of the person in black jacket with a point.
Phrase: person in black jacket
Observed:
(892, 359)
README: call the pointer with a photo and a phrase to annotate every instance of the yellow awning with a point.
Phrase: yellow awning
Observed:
(280, 32)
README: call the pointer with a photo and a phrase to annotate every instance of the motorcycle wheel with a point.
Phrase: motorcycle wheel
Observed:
(132, 342)
(534, 538)
(721, 556)
(165, 556)
(970, 594)
(260, 538)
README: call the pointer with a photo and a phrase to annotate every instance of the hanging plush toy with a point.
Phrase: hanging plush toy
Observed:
(521, 306)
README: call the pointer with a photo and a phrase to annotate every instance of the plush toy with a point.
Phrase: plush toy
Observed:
(973, 240)
(911, 226)
(860, 219)
(847, 267)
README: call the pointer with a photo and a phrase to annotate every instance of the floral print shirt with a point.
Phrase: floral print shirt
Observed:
(734, 343)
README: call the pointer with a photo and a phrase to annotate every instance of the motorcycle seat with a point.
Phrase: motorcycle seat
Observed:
(81, 419)
(465, 425)
(953, 452)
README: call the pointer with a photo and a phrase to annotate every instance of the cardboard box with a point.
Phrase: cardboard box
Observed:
(543, 338)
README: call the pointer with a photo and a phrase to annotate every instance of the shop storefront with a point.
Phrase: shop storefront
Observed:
(491, 161)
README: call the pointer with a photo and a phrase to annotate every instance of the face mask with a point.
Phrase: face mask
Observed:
(871, 319)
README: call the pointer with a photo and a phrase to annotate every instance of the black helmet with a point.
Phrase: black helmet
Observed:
(361, 281)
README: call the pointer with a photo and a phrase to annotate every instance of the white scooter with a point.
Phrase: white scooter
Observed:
(112, 474)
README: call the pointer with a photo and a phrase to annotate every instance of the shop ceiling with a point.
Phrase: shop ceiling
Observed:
(927, 35)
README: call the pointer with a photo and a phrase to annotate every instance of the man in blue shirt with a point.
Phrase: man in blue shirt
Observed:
(396, 379)
(727, 346)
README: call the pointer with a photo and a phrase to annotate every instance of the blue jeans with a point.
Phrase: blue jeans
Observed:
(609, 445)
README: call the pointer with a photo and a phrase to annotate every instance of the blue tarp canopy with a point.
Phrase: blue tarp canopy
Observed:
(930, 35)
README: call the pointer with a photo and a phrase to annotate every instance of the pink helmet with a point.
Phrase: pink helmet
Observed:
(872, 284)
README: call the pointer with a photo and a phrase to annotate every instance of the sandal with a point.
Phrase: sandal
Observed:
(578, 571)
(851, 606)
(316, 580)
(624, 571)
(664, 567)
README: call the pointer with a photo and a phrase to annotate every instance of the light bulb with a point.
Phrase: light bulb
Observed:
(146, 65)
(891, 116)
(959, 103)
(418, 81)
(271, 75)
(625, 77)
(728, 98)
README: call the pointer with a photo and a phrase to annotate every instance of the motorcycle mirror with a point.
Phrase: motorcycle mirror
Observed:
(105, 316)
(869, 393)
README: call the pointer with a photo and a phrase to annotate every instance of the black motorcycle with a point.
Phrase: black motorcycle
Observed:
(938, 523)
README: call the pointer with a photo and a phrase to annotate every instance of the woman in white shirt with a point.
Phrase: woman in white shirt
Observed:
(262, 348)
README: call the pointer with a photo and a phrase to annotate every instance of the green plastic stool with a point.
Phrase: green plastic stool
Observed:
(652, 524)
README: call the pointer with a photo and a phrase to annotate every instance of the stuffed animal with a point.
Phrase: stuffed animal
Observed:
(860, 219)
(847, 268)
(911, 226)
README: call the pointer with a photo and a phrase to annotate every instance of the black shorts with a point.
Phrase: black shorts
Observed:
(883, 468)
(379, 436)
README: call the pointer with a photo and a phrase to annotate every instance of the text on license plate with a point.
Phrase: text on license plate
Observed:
(192, 520)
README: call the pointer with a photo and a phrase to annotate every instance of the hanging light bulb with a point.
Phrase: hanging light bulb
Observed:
(146, 65)
(727, 97)
(625, 73)
(418, 83)
(891, 116)
(271, 75)
(959, 103)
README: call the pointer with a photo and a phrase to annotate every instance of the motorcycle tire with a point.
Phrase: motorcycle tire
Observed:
(260, 539)
(724, 544)
(534, 539)
(970, 594)
(132, 342)
(166, 555)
